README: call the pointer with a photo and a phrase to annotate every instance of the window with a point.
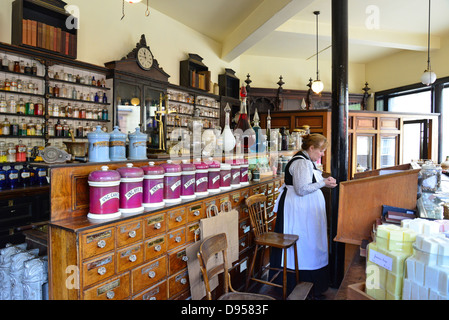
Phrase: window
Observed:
(445, 123)
(419, 102)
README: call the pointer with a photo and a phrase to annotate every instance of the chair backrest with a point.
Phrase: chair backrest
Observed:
(210, 247)
(258, 213)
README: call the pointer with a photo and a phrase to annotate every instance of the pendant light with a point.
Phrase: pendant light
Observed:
(317, 85)
(428, 76)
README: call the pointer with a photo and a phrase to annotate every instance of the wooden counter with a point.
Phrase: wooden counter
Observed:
(142, 256)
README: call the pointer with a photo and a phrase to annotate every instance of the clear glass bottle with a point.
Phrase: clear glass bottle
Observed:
(3, 104)
(51, 129)
(65, 129)
(3, 151)
(31, 129)
(38, 128)
(23, 128)
(20, 107)
(268, 133)
(6, 127)
(11, 152)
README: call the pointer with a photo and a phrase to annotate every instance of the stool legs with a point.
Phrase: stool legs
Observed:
(296, 263)
(284, 281)
(250, 273)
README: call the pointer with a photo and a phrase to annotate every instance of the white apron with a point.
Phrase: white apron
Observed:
(305, 216)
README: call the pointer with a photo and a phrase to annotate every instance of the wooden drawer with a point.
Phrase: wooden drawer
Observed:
(244, 242)
(148, 274)
(362, 123)
(177, 260)
(243, 212)
(208, 202)
(244, 227)
(236, 199)
(270, 201)
(277, 185)
(98, 269)
(176, 238)
(114, 289)
(129, 233)
(155, 247)
(245, 194)
(97, 242)
(176, 218)
(263, 189)
(157, 292)
(270, 188)
(178, 283)
(195, 212)
(254, 190)
(191, 229)
(129, 257)
(155, 224)
(222, 199)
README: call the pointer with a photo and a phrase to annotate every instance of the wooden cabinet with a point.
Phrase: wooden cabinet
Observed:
(194, 73)
(229, 84)
(137, 257)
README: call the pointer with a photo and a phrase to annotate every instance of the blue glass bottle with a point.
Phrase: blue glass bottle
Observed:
(4, 182)
(13, 177)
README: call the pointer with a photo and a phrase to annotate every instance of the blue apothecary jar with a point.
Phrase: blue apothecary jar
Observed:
(137, 148)
(117, 145)
(98, 145)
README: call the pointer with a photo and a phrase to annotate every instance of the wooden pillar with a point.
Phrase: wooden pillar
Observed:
(339, 140)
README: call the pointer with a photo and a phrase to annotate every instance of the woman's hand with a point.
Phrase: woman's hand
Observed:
(330, 182)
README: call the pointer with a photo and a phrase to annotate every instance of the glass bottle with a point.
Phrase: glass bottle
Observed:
(31, 129)
(39, 108)
(248, 136)
(6, 127)
(38, 128)
(20, 106)
(23, 128)
(82, 112)
(227, 135)
(21, 152)
(16, 67)
(88, 113)
(104, 114)
(27, 69)
(268, 139)
(55, 110)
(3, 151)
(56, 91)
(29, 107)
(284, 139)
(51, 129)
(7, 85)
(259, 145)
(64, 92)
(3, 104)
(13, 85)
(105, 98)
(12, 105)
(50, 109)
(11, 153)
(65, 129)
(69, 111)
(19, 85)
(34, 69)
(14, 131)
(93, 82)
(79, 130)
(58, 129)
(76, 112)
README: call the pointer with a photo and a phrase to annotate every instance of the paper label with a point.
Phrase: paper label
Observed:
(381, 259)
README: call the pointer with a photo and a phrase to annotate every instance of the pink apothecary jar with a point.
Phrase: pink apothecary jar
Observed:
(235, 173)
(225, 176)
(104, 194)
(131, 189)
(172, 182)
(153, 186)
(201, 178)
(244, 172)
(187, 180)
(213, 184)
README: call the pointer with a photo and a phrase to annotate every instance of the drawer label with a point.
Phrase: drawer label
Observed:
(156, 219)
(108, 287)
(99, 263)
(130, 251)
(156, 242)
(98, 236)
(150, 295)
(150, 267)
(124, 229)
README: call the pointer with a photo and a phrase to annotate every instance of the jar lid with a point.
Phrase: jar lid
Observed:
(201, 165)
(130, 172)
(104, 175)
(235, 163)
(153, 170)
(213, 164)
(98, 134)
(137, 135)
(225, 166)
(117, 134)
(170, 167)
(187, 166)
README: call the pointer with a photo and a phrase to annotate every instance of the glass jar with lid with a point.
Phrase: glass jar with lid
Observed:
(431, 176)
(3, 104)
(11, 152)
(3, 151)
(6, 127)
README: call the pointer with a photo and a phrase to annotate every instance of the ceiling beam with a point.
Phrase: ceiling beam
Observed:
(268, 16)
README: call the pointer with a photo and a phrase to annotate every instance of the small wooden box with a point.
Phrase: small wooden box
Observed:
(356, 291)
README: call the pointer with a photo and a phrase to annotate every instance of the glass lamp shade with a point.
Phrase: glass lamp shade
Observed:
(428, 77)
(133, 1)
(317, 86)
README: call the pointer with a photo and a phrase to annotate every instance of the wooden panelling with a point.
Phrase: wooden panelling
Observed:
(364, 123)
(390, 123)
(316, 122)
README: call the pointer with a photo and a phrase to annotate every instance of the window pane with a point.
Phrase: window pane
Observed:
(387, 151)
(415, 103)
(445, 124)
(365, 152)
(412, 142)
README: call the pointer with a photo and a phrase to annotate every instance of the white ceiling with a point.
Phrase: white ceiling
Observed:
(287, 28)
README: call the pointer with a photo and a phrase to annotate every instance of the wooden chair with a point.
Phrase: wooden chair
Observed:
(209, 248)
(263, 237)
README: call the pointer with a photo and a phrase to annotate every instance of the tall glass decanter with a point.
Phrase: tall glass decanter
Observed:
(259, 146)
(227, 136)
(243, 127)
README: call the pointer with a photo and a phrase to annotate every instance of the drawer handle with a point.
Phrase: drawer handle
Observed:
(242, 243)
(101, 244)
(132, 258)
(178, 239)
(157, 225)
(196, 213)
(110, 295)
(183, 281)
(101, 271)
(178, 219)
(132, 233)
(157, 248)
(151, 274)
(236, 199)
(243, 227)
(185, 258)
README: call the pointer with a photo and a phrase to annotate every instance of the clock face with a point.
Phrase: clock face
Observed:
(144, 58)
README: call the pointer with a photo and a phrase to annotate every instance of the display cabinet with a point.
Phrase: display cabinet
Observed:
(194, 73)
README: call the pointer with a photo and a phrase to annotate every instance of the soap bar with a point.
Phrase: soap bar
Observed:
(431, 277)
